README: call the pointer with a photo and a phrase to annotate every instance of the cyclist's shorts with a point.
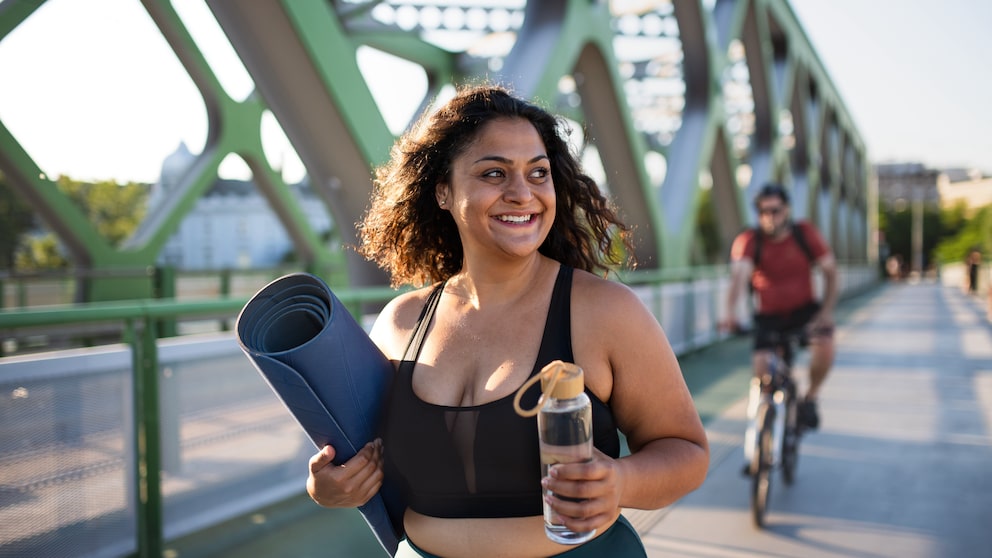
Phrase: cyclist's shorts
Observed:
(764, 324)
(619, 541)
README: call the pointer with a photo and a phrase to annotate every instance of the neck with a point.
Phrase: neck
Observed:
(489, 283)
(780, 232)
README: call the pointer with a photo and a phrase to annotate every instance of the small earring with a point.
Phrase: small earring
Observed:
(443, 203)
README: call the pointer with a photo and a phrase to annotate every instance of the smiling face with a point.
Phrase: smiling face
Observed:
(500, 192)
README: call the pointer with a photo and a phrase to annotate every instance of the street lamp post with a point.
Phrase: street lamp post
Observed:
(919, 191)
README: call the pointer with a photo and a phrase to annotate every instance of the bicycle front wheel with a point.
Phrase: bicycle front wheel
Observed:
(761, 468)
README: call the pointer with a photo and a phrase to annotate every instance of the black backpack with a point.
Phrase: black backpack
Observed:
(797, 233)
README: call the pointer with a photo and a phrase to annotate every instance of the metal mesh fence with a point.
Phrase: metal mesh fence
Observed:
(67, 455)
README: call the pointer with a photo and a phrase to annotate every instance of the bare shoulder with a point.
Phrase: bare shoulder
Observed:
(606, 302)
(406, 306)
(588, 284)
(397, 320)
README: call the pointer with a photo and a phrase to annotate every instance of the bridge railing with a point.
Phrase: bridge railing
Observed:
(115, 450)
(27, 290)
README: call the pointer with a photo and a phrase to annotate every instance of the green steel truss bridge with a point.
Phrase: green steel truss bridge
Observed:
(687, 105)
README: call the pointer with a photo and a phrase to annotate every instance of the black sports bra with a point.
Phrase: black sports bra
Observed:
(483, 460)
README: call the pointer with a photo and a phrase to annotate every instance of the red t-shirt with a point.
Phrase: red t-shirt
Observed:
(783, 279)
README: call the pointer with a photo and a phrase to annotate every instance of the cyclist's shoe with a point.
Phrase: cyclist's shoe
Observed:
(808, 416)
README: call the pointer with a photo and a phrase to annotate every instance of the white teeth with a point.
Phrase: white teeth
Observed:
(514, 218)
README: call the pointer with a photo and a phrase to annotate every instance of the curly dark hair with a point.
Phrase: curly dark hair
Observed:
(408, 235)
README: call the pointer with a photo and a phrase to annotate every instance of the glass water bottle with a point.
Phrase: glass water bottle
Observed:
(565, 429)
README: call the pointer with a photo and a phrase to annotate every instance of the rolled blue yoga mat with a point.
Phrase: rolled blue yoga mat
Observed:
(333, 379)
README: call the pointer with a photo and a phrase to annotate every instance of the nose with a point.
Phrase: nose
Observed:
(517, 189)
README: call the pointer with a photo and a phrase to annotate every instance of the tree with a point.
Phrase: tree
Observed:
(115, 210)
(40, 252)
(968, 234)
(707, 247)
(16, 218)
(897, 225)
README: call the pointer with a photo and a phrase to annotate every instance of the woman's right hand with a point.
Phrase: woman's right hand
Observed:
(348, 485)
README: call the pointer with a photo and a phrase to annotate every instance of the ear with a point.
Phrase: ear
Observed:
(442, 193)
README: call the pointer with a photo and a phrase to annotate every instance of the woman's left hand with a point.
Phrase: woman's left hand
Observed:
(596, 485)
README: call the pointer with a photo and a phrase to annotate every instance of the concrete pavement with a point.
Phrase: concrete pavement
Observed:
(902, 463)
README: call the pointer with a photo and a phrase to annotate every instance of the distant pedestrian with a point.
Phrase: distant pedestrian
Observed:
(974, 264)
(893, 267)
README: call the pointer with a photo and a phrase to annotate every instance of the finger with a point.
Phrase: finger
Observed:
(358, 466)
(367, 475)
(377, 450)
(576, 490)
(599, 467)
(585, 524)
(322, 458)
(347, 485)
(371, 484)
(580, 515)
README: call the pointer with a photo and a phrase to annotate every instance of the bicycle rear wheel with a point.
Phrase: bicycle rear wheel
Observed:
(761, 468)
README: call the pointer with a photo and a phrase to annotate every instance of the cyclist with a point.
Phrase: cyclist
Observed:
(778, 259)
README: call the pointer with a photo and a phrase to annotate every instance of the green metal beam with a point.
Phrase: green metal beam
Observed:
(333, 56)
(59, 212)
(14, 12)
(147, 438)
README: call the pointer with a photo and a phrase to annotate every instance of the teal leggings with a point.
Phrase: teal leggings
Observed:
(619, 541)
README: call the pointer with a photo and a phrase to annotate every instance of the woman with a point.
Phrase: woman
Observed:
(484, 199)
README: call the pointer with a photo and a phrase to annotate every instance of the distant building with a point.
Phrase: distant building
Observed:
(964, 185)
(901, 183)
(232, 225)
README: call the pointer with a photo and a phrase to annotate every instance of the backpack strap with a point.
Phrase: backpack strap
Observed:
(797, 233)
(758, 235)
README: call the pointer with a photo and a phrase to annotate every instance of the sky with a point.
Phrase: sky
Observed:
(916, 75)
(91, 89)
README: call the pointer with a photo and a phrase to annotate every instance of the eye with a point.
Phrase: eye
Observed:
(494, 173)
(540, 173)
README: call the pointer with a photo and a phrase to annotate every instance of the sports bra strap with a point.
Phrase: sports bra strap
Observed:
(423, 322)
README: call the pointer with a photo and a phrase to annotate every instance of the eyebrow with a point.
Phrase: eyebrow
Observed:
(504, 160)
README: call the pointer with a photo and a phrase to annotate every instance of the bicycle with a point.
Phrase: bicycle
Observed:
(772, 439)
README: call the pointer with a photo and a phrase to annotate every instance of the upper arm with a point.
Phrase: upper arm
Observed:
(740, 270)
(817, 245)
(624, 346)
(742, 258)
(827, 265)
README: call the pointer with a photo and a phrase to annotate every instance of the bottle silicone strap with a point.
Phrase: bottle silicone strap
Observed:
(552, 372)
